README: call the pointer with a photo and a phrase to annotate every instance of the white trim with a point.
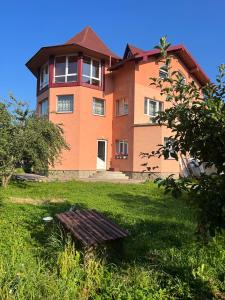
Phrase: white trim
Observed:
(66, 69)
(102, 167)
(161, 70)
(44, 83)
(122, 142)
(66, 111)
(93, 102)
(157, 106)
(91, 69)
(123, 113)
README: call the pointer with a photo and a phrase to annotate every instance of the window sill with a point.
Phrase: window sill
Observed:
(169, 158)
(122, 115)
(97, 115)
(120, 156)
(75, 83)
(64, 112)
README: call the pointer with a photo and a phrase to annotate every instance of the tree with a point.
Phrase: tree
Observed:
(196, 118)
(26, 139)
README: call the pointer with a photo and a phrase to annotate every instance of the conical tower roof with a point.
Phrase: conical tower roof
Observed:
(87, 38)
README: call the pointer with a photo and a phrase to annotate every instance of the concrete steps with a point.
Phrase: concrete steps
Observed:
(109, 175)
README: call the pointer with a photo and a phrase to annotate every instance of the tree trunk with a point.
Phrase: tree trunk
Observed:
(5, 180)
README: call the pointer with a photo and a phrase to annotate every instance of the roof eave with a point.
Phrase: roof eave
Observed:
(203, 79)
(41, 50)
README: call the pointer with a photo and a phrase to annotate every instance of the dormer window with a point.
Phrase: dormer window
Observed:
(163, 72)
(44, 76)
(91, 72)
(65, 69)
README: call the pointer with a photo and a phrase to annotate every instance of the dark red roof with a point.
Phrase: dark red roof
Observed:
(181, 52)
(85, 41)
(134, 50)
(131, 51)
(87, 38)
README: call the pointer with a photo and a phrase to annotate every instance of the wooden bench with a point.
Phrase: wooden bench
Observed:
(90, 227)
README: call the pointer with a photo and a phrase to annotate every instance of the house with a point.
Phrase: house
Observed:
(106, 104)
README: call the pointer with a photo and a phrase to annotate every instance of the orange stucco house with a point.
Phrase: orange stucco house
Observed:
(105, 103)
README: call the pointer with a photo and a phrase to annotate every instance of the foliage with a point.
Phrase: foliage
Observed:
(196, 117)
(26, 139)
(160, 259)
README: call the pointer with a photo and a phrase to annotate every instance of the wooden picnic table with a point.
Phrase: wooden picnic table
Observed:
(90, 227)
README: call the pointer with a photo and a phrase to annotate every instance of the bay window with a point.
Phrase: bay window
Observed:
(65, 69)
(121, 107)
(44, 76)
(91, 72)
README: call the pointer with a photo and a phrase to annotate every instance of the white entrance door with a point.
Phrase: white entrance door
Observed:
(101, 154)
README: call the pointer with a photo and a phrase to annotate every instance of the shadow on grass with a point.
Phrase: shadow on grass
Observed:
(146, 238)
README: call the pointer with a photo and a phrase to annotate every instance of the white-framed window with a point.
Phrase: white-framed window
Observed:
(163, 72)
(65, 103)
(168, 143)
(91, 71)
(44, 76)
(44, 107)
(122, 147)
(65, 69)
(98, 106)
(182, 77)
(152, 107)
(121, 107)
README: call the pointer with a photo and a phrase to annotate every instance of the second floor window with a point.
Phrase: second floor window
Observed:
(91, 72)
(44, 76)
(121, 107)
(152, 107)
(98, 107)
(44, 107)
(65, 69)
(65, 103)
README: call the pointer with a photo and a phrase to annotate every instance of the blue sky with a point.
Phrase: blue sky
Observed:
(26, 26)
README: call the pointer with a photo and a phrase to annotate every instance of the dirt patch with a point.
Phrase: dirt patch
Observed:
(35, 201)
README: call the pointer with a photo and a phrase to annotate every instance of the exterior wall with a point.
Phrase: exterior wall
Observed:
(122, 126)
(81, 128)
(148, 136)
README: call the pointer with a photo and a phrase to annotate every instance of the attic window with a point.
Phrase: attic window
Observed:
(181, 78)
(163, 72)
(91, 72)
(65, 69)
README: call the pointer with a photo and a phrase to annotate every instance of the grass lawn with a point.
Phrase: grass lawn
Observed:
(161, 258)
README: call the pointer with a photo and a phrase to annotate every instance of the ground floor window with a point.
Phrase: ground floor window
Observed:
(65, 103)
(121, 149)
(168, 144)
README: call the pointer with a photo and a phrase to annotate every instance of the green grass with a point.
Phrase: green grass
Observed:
(161, 258)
